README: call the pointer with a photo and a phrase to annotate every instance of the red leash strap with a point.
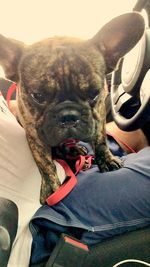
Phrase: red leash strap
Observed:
(83, 163)
(65, 188)
(11, 89)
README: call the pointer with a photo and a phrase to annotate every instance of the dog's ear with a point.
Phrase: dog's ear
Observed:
(10, 53)
(118, 37)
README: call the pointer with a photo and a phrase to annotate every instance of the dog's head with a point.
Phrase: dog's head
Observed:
(61, 80)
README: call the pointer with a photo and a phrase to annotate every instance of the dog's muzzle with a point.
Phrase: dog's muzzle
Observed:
(69, 118)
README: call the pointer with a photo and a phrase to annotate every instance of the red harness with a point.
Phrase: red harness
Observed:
(83, 162)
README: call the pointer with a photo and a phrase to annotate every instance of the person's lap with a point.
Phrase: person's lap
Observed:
(101, 205)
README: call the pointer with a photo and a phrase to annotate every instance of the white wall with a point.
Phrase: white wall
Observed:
(32, 20)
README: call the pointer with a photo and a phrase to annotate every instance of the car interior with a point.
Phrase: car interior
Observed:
(129, 90)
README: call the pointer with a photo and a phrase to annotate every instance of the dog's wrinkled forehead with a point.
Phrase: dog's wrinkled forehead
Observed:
(59, 63)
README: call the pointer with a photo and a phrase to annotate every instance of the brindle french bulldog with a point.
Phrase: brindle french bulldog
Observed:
(61, 90)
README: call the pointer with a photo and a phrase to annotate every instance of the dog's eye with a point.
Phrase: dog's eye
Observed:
(93, 101)
(38, 97)
(93, 97)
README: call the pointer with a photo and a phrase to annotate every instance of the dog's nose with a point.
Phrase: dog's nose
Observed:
(69, 117)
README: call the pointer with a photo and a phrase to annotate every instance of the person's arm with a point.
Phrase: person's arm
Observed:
(135, 139)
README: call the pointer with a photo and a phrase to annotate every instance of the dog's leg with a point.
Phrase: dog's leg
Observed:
(104, 158)
(50, 181)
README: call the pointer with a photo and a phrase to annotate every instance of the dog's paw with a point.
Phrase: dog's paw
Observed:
(111, 164)
(106, 161)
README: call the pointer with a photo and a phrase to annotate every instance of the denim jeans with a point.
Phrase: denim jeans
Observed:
(100, 206)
